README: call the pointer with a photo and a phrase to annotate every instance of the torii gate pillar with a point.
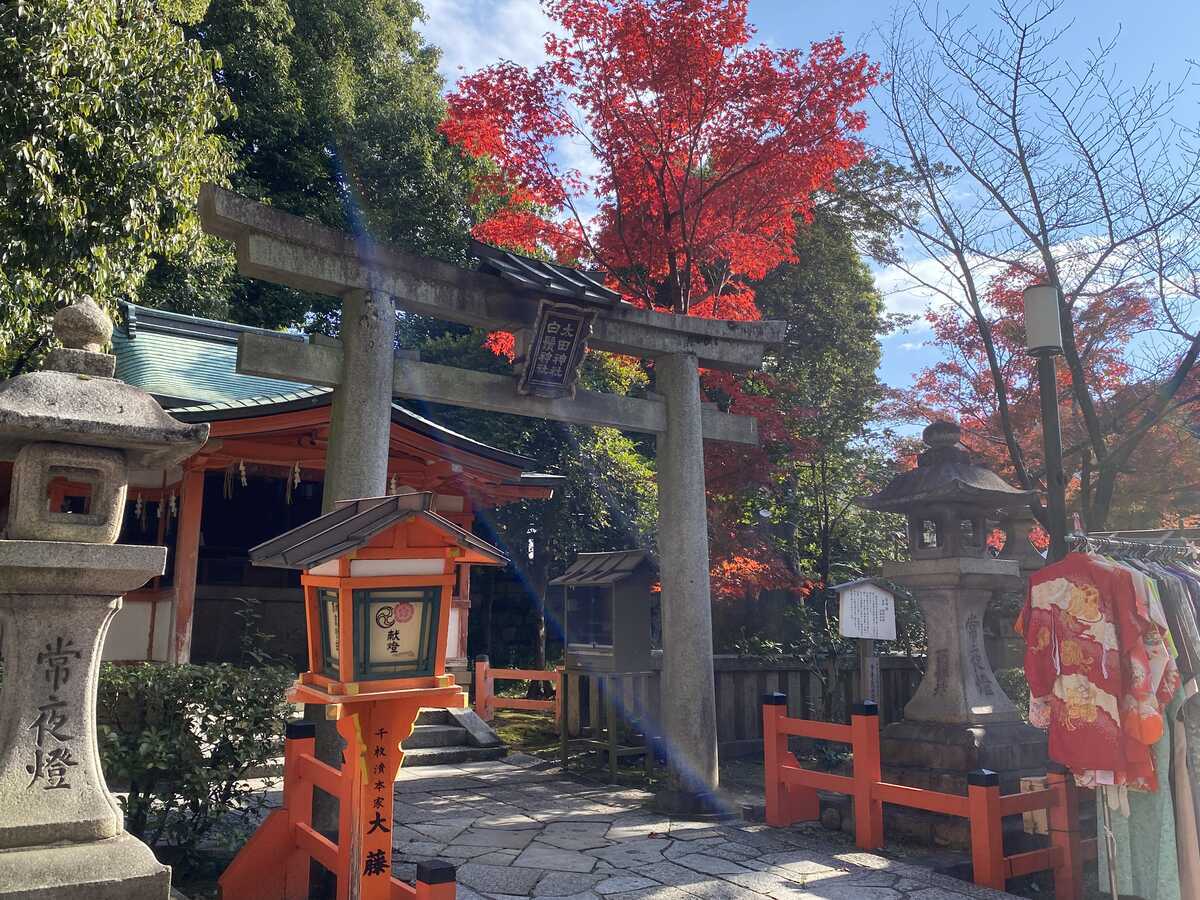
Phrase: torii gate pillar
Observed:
(357, 458)
(688, 690)
(356, 463)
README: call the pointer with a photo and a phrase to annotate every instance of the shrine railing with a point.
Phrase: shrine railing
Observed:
(487, 701)
(792, 797)
(275, 862)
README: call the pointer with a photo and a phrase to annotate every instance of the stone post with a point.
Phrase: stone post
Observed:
(688, 691)
(73, 432)
(361, 413)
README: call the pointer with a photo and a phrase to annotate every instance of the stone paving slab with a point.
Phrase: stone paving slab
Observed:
(517, 828)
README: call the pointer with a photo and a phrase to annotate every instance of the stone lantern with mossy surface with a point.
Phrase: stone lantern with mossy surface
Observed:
(960, 719)
(72, 432)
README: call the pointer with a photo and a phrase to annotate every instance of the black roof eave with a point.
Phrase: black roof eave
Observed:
(949, 492)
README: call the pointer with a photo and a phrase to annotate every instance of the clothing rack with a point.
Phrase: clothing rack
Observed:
(1162, 547)
(1169, 548)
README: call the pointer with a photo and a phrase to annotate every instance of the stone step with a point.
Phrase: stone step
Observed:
(443, 756)
(434, 717)
(425, 736)
(270, 768)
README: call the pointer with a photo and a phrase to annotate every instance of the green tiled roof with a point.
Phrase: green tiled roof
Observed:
(183, 360)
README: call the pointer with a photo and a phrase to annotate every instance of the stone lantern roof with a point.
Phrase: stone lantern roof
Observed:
(945, 475)
(75, 400)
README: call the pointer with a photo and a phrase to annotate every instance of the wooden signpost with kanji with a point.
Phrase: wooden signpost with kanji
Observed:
(867, 612)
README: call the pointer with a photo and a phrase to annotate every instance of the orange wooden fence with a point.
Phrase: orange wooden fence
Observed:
(486, 701)
(288, 837)
(792, 797)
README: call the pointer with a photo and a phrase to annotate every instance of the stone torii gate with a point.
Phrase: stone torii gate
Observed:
(374, 279)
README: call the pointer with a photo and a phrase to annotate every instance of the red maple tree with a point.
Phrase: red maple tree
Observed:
(708, 149)
(961, 386)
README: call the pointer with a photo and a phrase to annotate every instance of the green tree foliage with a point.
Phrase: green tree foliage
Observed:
(338, 107)
(827, 534)
(106, 119)
(835, 317)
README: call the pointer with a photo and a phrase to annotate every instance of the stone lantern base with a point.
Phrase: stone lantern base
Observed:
(960, 719)
(119, 868)
(937, 756)
(61, 831)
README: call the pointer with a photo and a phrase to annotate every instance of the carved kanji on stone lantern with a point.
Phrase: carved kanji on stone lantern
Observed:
(73, 432)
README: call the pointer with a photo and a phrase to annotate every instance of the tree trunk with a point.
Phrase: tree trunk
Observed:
(826, 524)
(1102, 496)
(1085, 487)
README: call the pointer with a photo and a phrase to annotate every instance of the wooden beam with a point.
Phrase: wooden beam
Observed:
(187, 555)
(278, 357)
(286, 249)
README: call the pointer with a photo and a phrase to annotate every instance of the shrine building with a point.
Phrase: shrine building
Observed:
(259, 475)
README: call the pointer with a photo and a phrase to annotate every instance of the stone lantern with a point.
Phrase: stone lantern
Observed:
(73, 432)
(960, 719)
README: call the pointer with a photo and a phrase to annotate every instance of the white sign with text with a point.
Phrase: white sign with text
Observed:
(866, 610)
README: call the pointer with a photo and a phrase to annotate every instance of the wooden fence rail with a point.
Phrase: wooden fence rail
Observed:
(792, 797)
(487, 702)
(825, 693)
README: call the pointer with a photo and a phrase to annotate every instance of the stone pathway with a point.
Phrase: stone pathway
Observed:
(519, 828)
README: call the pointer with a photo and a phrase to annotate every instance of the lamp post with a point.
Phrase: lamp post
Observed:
(1043, 341)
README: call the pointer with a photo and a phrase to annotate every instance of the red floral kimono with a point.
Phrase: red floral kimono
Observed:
(1098, 667)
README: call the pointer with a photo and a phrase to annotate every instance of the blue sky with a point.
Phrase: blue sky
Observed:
(1161, 34)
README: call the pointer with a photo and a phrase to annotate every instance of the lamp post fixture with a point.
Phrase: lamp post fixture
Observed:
(1043, 341)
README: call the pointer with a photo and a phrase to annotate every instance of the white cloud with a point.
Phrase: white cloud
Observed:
(904, 293)
(476, 33)
(916, 287)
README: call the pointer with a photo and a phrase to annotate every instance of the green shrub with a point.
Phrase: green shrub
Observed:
(1014, 684)
(182, 741)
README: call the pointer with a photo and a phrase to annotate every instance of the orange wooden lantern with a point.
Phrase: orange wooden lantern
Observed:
(378, 576)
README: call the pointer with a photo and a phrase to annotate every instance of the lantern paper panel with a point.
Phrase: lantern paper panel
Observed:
(330, 623)
(397, 626)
